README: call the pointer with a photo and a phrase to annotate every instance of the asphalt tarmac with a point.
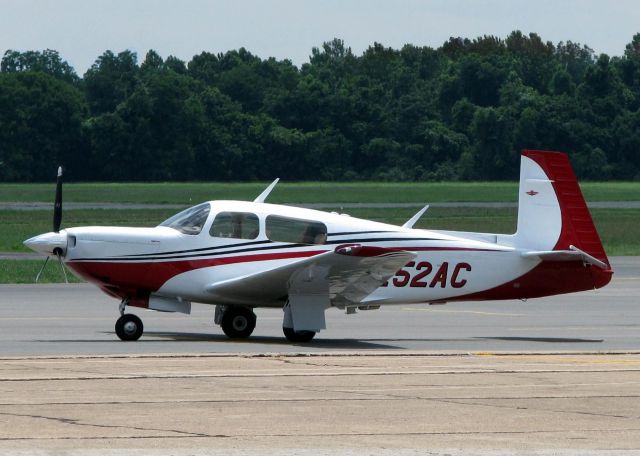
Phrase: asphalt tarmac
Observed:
(69, 319)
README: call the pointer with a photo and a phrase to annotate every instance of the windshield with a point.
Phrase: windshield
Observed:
(189, 221)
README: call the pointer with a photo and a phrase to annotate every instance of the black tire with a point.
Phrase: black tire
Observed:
(129, 327)
(238, 322)
(298, 336)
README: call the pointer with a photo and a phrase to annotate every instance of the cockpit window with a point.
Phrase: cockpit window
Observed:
(285, 229)
(239, 225)
(189, 221)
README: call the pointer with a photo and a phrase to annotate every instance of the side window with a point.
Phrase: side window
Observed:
(297, 231)
(238, 225)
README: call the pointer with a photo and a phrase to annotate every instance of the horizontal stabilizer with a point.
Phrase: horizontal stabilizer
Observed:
(573, 254)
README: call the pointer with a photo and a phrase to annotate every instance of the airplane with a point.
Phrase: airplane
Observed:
(239, 255)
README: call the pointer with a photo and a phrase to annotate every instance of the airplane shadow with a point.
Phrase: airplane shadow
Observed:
(356, 344)
(371, 343)
(560, 340)
(155, 337)
(163, 337)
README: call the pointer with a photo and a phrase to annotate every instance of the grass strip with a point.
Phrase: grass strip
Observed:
(25, 271)
(300, 192)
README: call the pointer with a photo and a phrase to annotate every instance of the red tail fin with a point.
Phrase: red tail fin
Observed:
(577, 226)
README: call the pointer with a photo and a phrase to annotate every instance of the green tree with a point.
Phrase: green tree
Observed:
(463, 110)
(534, 59)
(110, 80)
(40, 127)
(575, 58)
(492, 152)
(47, 61)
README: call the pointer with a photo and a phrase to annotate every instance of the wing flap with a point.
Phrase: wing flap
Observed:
(350, 272)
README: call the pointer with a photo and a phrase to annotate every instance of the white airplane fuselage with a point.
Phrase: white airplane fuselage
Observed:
(164, 261)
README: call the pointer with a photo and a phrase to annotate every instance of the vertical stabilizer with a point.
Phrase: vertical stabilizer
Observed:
(552, 213)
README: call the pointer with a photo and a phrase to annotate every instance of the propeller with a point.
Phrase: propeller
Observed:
(57, 221)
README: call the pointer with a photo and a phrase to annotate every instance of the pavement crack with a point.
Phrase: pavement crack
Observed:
(243, 437)
(117, 437)
(418, 433)
(76, 422)
(360, 373)
(540, 409)
(364, 396)
(296, 362)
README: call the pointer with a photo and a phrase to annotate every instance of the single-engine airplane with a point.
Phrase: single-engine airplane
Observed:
(240, 255)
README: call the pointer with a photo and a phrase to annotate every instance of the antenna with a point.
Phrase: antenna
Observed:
(412, 221)
(265, 193)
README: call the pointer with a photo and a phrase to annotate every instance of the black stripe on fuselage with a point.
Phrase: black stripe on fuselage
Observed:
(198, 255)
(229, 246)
(347, 233)
(256, 249)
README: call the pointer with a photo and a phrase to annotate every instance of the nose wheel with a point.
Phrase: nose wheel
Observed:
(128, 326)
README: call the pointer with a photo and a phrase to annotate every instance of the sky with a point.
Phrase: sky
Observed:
(81, 30)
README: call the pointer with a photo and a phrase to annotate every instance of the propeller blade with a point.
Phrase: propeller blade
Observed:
(57, 207)
(42, 269)
(64, 271)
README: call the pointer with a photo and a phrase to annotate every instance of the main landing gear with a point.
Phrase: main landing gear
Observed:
(298, 336)
(128, 326)
(237, 322)
(287, 328)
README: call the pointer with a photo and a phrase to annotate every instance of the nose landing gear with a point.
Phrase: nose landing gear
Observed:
(128, 326)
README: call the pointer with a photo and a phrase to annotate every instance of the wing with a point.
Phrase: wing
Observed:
(345, 275)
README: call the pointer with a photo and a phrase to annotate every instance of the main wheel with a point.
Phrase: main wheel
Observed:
(298, 336)
(238, 322)
(129, 327)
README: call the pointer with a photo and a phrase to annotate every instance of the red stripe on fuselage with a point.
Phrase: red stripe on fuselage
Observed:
(546, 279)
(132, 277)
(127, 279)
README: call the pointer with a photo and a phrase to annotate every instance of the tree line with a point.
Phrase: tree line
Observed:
(462, 111)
